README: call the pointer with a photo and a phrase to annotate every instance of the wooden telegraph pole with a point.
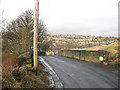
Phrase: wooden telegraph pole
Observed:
(35, 49)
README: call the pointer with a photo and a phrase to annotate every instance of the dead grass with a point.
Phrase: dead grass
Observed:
(113, 48)
(15, 76)
(9, 60)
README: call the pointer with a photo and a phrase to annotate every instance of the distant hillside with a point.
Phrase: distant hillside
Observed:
(112, 48)
(68, 41)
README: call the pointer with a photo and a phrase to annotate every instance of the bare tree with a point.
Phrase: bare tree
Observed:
(18, 35)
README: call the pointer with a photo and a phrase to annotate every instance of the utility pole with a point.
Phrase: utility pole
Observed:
(35, 42)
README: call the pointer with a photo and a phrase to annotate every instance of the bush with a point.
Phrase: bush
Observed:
(32, 81)
(9, 60)
(8, 80)
(18, 74)
(21, 77)
(22, 60)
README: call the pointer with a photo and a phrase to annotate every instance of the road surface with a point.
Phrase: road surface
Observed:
(80, 74)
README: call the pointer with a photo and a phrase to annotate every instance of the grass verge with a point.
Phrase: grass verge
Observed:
(18, 73)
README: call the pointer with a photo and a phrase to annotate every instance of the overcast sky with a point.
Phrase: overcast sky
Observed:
(83, 17)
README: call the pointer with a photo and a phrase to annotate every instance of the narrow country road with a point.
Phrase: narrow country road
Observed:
(80, 74)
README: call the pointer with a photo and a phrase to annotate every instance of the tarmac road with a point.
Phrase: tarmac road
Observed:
(80, 74)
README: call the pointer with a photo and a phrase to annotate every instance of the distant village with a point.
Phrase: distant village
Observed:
(66, 41)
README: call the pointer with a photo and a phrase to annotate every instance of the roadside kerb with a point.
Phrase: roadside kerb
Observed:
(56, 79)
